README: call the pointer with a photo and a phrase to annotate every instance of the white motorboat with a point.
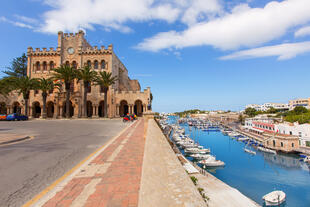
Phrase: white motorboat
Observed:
(196, 151)
(274, 198)
(243, 139)
(233, 134)
(200, 156)
(212, 162)
(249, 151)
(263, 149)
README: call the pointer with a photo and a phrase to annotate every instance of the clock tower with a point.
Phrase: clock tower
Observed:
(70, 47)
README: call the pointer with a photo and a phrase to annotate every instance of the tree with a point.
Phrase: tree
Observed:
(105, 80)
(241, 119)
(86, 75)
(4, 87)
(272, 110)
(23, 85)
(251, 112)
(46, 85)
(66, 75)
(18, 67)
(300, 110)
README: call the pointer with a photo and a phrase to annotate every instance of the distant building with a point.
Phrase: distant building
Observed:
(283, 134)
(299, 102)
(267, 106)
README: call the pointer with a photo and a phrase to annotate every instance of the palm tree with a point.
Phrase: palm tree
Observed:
(66, 75)
(4, 87)
(86, 75)
(46, 85)
(23, 85)
(105, 80)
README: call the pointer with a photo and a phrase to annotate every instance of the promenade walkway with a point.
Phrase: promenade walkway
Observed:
(128, 171)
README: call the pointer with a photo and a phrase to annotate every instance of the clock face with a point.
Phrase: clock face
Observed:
(70, 50)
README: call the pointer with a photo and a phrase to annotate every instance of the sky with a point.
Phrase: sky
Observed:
(206, 54)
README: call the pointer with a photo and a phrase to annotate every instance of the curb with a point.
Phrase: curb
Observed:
(15, 140)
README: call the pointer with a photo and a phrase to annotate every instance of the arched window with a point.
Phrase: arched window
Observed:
(51, 65)
(67, 63)
(74, 65)
(89, 63)
(38, 66)
(103, 64)
(96, 64)
(44, 66)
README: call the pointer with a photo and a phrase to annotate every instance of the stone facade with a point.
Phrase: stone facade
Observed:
(125, 96)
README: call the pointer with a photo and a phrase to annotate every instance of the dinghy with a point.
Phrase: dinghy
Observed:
(275, 198)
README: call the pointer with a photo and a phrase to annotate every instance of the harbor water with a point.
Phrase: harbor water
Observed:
(256, 175)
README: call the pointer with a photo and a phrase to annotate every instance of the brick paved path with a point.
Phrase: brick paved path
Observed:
(112, 179)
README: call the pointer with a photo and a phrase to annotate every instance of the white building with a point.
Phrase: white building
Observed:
(300, 130)
(267, 106)
(257, 107)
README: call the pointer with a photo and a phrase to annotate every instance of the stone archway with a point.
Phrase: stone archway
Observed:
(50, 109)
(101, 109)
(64, 108)
(138, 108)
(17, 108)
(89, 109)
(123, 109)
(3, 108)
(36, 110)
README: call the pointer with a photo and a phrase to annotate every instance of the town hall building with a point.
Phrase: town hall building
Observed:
(125, 96)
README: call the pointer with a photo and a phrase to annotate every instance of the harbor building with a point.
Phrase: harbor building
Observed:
(125, 96)
(268, 130)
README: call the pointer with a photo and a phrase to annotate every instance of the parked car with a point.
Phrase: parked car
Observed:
(16, 117)
(2, 116)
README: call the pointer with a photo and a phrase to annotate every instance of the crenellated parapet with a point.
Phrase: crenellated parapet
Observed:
(43, 52)
(97, 50)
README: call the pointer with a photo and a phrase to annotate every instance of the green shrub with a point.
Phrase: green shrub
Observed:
(194, 179)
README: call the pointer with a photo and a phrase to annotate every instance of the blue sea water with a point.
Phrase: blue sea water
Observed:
(257, 175)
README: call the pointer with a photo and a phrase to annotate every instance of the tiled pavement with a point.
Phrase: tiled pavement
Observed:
(112, 179)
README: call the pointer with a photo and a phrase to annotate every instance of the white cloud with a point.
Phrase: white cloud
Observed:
(16, 23)
(282, 51)
(26, 19)
(242, 27)
(304, 31)
(197, 10)
(71, 15)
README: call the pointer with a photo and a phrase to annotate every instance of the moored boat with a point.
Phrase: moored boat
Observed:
(263, 149)
(249, 151)
(274, 198)
(212, 162)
